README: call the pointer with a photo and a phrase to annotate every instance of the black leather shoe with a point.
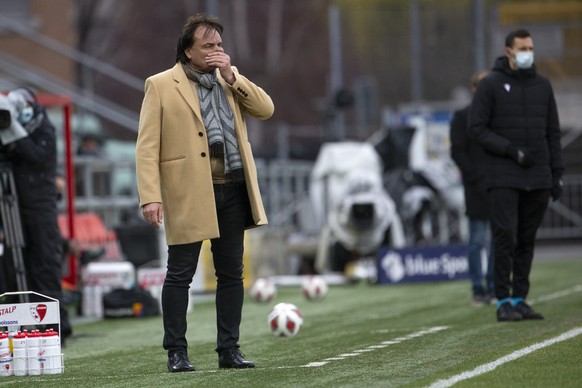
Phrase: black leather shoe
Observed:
(233, 358)
(527, 312)
(178, 362)
(506, 313)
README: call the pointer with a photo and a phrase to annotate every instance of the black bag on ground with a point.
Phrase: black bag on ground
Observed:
(135, 302)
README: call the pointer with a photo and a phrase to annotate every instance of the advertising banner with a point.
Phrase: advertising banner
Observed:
(416, 264)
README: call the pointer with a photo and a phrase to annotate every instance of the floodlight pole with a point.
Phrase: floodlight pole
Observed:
(70, 171)
(479, 22)
(415, 53)
(336, 120)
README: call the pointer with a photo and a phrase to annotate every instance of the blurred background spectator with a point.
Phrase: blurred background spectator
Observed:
(91, 145)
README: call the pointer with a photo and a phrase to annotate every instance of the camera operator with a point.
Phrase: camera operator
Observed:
(33, 162)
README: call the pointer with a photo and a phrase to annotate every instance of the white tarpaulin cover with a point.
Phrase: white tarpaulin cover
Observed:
(348, 174)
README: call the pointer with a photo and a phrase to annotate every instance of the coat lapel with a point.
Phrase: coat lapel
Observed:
(185, 89)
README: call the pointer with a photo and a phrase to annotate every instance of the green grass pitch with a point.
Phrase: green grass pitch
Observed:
(411, 335)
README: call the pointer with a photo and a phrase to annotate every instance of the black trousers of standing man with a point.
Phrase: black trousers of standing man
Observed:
(232, 207)
(516, 216)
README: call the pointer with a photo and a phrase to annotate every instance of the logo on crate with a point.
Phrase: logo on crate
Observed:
(38, 312)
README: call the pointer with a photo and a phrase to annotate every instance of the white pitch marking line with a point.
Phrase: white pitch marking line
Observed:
(315, 364)
(389, 342)
(481, 369)
(557, 294)
(362, 350)
(370, 348)
(414, 335)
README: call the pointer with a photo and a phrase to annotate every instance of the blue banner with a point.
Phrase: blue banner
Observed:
(422, 264)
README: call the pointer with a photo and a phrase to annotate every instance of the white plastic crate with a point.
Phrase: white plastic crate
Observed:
(101, 277)
(30, 353)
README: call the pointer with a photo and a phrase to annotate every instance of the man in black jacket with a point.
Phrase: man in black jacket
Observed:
(514, 116)
(34, 159)
(468, 155)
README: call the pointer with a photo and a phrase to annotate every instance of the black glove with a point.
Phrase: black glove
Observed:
(521, 157)
(557, 187)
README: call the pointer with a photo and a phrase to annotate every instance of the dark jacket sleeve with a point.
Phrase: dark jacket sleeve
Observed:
(37, 148)
(480, 119)
(553, 135)
(460, 146)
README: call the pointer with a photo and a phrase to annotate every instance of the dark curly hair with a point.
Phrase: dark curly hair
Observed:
(186, 39)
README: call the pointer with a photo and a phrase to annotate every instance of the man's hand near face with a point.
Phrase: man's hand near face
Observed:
(221, 60)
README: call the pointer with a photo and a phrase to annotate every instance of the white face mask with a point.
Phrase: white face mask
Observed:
(524, 59)
(26, 114)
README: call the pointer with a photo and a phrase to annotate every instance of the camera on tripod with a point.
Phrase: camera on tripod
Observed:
(5, 116)
(10, 129)
(9, 212)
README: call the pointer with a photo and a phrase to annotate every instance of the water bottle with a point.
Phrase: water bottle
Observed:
(32, 352)
(52, 362)
(5, 355)
(12, 331)
(19, 363)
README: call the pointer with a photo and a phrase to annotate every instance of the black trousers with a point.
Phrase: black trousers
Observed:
(516, 216)
(232, 207)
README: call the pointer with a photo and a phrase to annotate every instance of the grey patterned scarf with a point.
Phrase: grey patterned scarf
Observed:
(218, 121)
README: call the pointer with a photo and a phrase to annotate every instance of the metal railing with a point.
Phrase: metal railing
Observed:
(285, 187)
(108, 187)
(563, 219)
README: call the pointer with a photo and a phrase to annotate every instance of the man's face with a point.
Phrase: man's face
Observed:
(206, 41)
(519, 44)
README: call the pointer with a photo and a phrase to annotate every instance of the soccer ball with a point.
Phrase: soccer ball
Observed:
(314, 287)
(285, 320)
(263, 290)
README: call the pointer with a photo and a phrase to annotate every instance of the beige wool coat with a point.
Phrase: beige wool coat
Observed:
(172, 156)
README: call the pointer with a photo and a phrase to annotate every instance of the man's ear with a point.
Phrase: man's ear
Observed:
(507, 51)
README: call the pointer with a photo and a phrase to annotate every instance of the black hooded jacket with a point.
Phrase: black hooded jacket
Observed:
(517, 108)
(34, 167)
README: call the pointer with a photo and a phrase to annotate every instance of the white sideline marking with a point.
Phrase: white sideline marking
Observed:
(382, 345)
(321, 363)
(362, 350)
(481, 369)
(557, 294)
